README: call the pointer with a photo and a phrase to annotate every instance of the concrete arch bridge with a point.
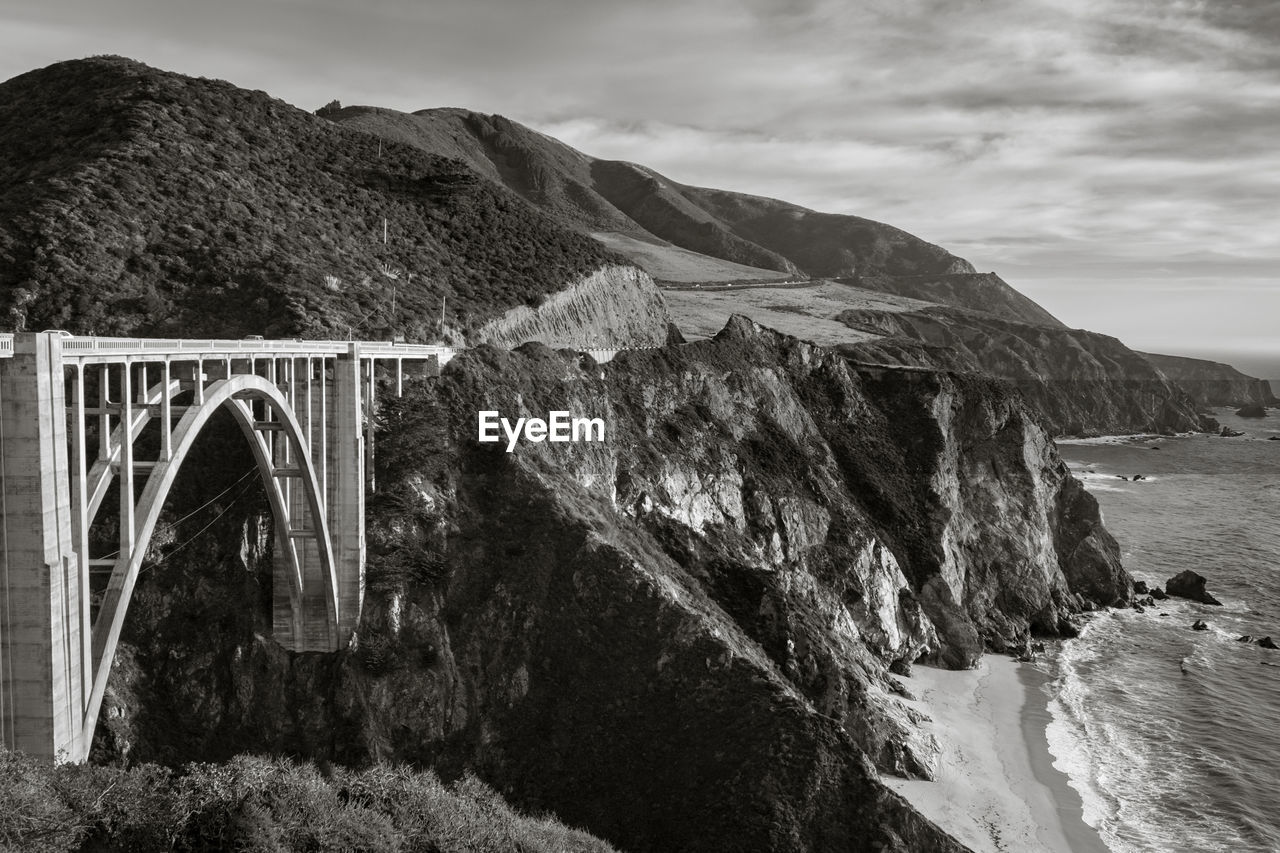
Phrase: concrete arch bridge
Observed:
(81, 415)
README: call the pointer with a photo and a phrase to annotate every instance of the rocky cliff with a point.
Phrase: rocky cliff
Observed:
(1080, 382)
(1211, 383)
(677, 638)
(614, 307)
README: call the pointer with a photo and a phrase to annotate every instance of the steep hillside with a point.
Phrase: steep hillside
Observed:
(1211, 383)
(136, 201)
(770, 238)
(984, 291)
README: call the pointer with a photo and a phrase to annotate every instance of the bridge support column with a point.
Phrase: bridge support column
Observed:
(331, 410)
(346, 465)
(42, 675)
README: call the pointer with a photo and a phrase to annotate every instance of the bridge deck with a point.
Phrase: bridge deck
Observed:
(76, 346)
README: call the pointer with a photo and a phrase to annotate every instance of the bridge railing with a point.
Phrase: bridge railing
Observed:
(76, 345)
(84, 345)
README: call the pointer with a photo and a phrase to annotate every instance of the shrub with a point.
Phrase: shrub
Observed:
(263, 804)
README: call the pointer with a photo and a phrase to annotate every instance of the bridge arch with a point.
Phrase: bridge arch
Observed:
(300, 404)
(237, 394)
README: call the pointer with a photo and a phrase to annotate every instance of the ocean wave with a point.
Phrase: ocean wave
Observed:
(1112, 439)
(1070, 738)
(1117, 735)
(1164, 731)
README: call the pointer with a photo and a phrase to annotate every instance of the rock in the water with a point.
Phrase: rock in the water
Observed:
(1244, 638)
(1253, 410)
(1153, 448)
(1188, 584)
(1158, 594)
(1147, 602)
(1274, 438)
(1228, 432)
(1137, 477)
(1140, 588)
(1138, 607)
(1268, 643)
(1200, 625)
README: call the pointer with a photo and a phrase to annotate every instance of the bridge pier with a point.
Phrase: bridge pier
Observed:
(42, 644)
(330, 407)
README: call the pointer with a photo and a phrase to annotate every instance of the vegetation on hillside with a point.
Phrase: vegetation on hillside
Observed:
(136, 201)
(261, 804)
(604, 195)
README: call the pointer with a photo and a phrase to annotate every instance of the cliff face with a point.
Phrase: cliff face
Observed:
(1213, 384)
(1080, 382)
(676, 638)
(613, 307)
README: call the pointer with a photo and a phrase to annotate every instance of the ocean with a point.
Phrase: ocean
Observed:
(1172, 736)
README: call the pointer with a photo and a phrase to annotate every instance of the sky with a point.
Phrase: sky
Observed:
(1116, 160)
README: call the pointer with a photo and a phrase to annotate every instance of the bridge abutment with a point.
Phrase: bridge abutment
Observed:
(42, 640)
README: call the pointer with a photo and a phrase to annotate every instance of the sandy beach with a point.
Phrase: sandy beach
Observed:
(997, 789)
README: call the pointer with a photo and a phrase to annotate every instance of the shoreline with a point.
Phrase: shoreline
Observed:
(997, 789)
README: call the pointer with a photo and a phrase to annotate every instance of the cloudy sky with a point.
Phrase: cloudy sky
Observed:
(1117, 160)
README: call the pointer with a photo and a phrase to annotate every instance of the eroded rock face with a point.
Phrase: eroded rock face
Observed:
(677, 638)
(615, 306)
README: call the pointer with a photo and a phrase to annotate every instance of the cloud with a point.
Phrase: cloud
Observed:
(1033, 136)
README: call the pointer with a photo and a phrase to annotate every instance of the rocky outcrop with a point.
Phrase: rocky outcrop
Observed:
(1190, 585)
(697, 614)
(614, 307)
(1080, 382)
(1211, 383)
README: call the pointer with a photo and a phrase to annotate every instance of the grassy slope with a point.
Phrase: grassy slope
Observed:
(809, 311)
(136, 201)
(671, 264)
(955, 289)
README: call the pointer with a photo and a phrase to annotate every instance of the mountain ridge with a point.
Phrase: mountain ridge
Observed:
(771, 235)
